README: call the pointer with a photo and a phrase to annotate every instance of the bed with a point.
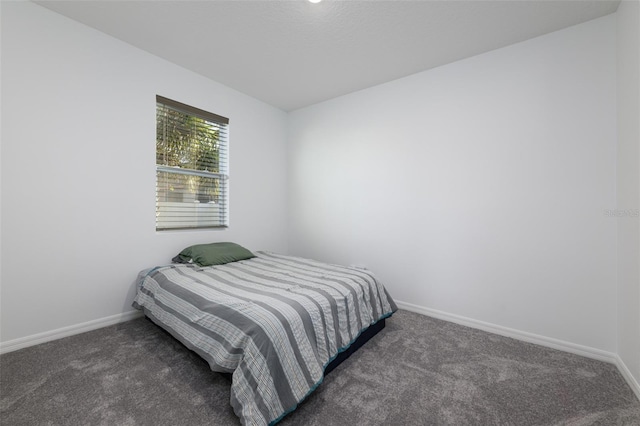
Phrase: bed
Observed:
(276, 323)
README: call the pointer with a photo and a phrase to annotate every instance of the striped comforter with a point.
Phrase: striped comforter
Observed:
(274, 321)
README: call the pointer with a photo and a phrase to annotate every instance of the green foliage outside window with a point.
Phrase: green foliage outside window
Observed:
(187, 142)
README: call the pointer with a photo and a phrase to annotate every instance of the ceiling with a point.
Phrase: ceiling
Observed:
(292, 54)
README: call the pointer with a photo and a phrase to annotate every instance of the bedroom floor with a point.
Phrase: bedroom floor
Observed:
(417, 371)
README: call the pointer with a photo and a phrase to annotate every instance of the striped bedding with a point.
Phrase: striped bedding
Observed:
(274, 321)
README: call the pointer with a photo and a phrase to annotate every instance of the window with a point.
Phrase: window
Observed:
(191, 167)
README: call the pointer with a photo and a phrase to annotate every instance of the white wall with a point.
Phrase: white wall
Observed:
(628, 186)
(78, 170)
(478, 188)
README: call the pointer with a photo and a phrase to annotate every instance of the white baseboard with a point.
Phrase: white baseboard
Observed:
(549, 342)
(513, 333)
(23, 342)
(47, 336)
(626, 373)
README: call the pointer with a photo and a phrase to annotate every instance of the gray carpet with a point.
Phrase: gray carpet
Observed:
(417, 371)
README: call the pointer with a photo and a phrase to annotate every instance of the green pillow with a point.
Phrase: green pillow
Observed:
(213, 254)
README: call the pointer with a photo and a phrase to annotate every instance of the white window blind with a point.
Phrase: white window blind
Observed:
(191, 167)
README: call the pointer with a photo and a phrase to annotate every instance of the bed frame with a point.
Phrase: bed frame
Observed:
(361, 340)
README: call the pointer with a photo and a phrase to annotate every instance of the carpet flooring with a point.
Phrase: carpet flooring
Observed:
(417, 371)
